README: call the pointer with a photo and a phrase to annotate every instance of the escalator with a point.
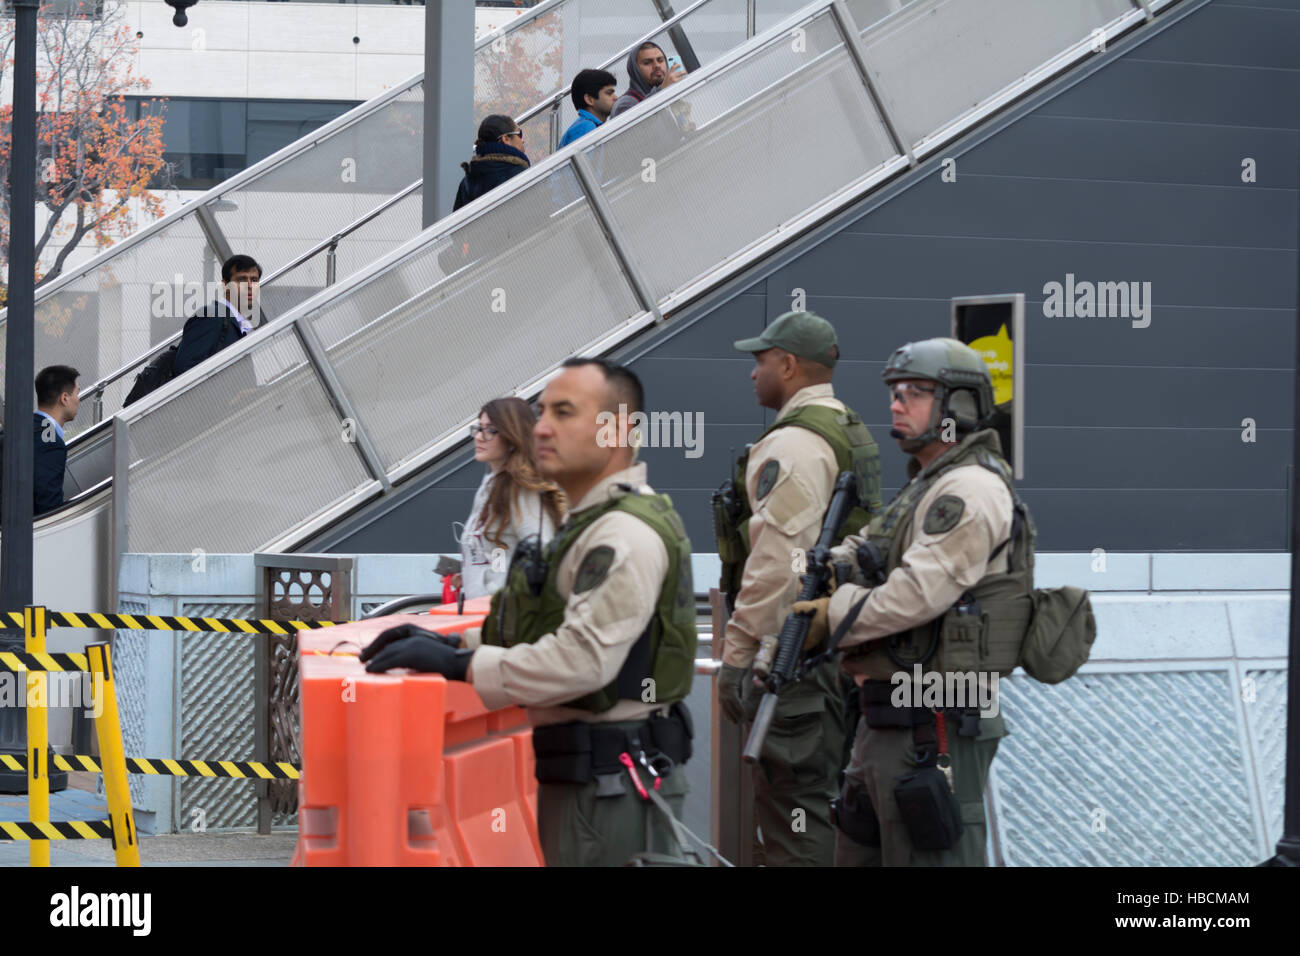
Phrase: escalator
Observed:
(344, 195)
(309, 224)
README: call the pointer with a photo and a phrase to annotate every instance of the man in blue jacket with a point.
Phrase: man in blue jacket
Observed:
(57, 401)
(220, 324)
(593, 93)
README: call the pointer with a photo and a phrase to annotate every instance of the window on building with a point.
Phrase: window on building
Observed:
(206, 141)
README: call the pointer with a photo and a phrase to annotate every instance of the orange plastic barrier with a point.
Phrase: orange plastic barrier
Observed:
(408, 770)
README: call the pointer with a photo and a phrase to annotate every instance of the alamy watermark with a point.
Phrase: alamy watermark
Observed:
(59, 689)
(178, 299)
(653, 430)
(946, 690)
(1101, 300)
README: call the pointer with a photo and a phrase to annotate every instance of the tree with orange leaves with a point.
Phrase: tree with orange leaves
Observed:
(94, 161)
(519, 70)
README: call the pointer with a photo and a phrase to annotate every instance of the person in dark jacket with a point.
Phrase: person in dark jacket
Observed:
(57, 401)
(647, 73)
(498, 155)
(221, 323)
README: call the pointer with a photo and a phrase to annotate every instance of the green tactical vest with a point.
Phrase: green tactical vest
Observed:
(855, 451)
(665, 652)
(989, 641)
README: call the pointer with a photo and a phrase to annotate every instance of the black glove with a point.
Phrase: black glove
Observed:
(406, 630)
(418, 649)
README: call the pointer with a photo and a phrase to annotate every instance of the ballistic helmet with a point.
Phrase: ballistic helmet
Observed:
(963, 389)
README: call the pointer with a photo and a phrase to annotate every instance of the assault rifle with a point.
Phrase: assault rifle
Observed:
(786, 667)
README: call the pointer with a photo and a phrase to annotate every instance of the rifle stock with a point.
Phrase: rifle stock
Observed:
(794, 632)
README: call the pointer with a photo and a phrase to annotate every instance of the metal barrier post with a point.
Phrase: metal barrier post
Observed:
(290, 587)
(112, 760)
(38, 736)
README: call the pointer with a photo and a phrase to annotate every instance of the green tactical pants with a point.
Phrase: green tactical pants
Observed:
(798, 773)
(578, 829)
(880, 756)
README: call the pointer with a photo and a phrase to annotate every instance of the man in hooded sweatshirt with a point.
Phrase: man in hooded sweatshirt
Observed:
(647, 72)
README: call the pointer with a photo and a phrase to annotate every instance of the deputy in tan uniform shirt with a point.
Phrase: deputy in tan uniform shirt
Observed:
(600, 625)
(957, 516)
(936, 568)
(608, 579)
(789, 478)
(786, 520)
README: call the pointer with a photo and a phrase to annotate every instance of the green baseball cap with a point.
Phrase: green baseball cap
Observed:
(804, 334)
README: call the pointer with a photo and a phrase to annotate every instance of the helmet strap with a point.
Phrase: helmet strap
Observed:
(931, 434)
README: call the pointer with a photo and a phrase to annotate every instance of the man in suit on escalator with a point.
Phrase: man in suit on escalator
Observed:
(221, 323)
(57, 401)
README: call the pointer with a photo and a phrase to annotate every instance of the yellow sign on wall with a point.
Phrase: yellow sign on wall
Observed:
(995, 350)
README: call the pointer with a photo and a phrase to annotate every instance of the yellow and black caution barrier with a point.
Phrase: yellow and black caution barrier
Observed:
(37, 828)
(161, 622)
(166, 767)
(33, 663)
(59, 830)
(36, 662)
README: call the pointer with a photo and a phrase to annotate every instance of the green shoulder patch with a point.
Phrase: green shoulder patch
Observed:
(594, 567)
(943, 514)
(767, 478)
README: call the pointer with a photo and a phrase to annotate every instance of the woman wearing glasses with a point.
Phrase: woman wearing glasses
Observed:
(512, 503)
(498, 155)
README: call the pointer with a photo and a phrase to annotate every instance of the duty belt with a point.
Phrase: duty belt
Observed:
(874, 697)
(578, 752)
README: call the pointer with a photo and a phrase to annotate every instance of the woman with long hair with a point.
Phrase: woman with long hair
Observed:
(513, 502)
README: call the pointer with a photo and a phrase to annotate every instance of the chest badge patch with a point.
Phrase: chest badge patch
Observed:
(767, 478)
(594, 567)
(943, 514)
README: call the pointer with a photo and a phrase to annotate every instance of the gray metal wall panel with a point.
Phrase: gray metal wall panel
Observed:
(1223, 35)
(1180, 520)
(1245, 340)
(1075, 210)
(1184, 93)
(1097, 148)
(1267, 4)
(741, 317)
(1145, 397)
(939, 267)
(717, 384)
(1197, 459)
(669, 467)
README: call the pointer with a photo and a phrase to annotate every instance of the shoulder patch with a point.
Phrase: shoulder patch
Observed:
(594, 567)
(943, 514)
(767, 478)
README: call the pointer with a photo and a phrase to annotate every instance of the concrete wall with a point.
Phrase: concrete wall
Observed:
(278, 50)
